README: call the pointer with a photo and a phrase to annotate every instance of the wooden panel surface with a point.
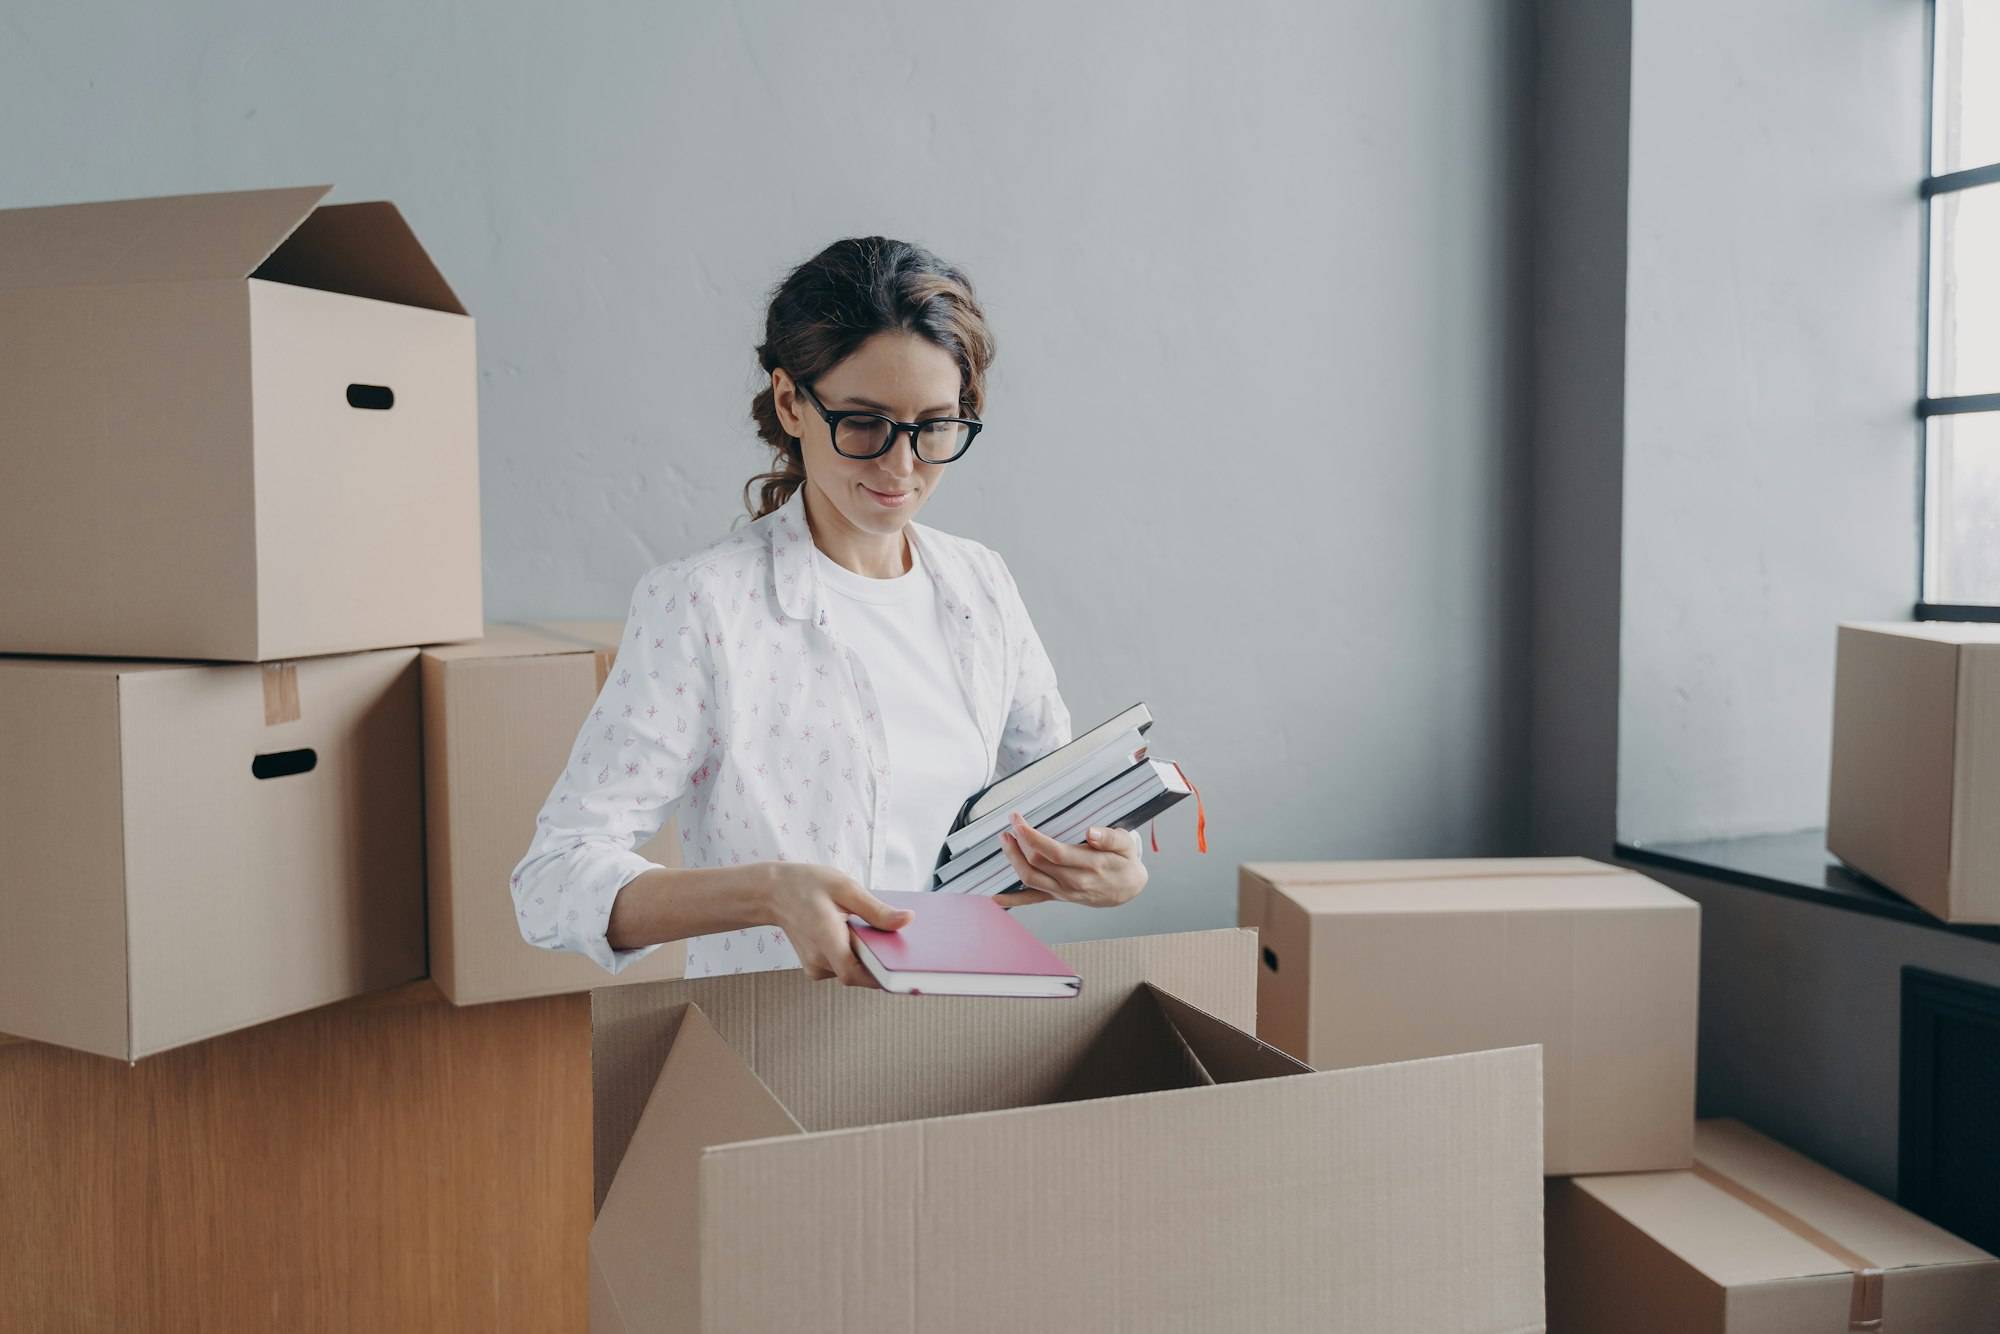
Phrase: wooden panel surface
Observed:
(389, 1163)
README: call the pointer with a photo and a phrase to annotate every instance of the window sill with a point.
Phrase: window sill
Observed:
(1796, 865)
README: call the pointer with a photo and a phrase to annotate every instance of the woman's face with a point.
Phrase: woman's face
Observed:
(900, 375)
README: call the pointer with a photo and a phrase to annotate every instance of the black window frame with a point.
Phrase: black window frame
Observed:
(1927, 406)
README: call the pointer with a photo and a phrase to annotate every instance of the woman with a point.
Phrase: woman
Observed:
(822, 689)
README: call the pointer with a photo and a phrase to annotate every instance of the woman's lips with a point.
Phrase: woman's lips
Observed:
(886, 499)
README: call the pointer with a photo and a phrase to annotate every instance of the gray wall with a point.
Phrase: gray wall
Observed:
(1255, 269)
(1771, 447)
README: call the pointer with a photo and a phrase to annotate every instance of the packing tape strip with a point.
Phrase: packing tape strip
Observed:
(1864, 1307)
(281, 693)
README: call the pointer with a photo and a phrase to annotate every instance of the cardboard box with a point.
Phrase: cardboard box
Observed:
(1915, 793)
(817, 1157)
(194, 849)
(1755, 1240)
(1392, 960)
(500, 716)
(240, 427)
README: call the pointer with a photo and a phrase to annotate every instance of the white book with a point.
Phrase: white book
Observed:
(1126, 804)
(1007, 792)
(1047, 798)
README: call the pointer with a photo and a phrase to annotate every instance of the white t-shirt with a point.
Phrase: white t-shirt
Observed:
(937, 753)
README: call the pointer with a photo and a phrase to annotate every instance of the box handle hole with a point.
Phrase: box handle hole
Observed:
(374, 397)
(282, 763)
(1270, 959)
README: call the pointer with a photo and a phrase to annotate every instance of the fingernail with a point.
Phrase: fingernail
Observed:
(1097, 836)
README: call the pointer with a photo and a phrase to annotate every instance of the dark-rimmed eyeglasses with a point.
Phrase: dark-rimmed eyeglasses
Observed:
(869, 435)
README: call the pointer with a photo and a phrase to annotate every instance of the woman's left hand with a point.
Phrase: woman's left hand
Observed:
(1101, 872)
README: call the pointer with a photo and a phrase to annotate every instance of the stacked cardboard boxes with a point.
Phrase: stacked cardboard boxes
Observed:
(241, 485)
(1655, 1222)
(239, 496)
(237, 423)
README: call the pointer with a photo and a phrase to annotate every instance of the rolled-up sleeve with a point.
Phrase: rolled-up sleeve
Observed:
(632, 759)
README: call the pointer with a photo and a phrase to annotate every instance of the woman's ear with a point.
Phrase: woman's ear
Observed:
(785, 401)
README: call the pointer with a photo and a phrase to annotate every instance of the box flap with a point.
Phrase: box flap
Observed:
(1155, 1041)
(904, 1056)
(1226, 1054)
(1136, 1051)
(645, 1243)
(171, 238)
(1754, 1211)
(363, 250)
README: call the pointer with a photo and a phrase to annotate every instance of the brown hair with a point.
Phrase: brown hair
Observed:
(830, 305)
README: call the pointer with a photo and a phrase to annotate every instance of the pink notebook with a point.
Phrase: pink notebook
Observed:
(960, 945)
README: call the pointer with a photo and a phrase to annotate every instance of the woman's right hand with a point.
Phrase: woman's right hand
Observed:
(811, 904)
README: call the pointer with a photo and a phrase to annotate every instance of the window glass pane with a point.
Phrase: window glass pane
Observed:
(1966, 132)
(1965, 291)
(1963, 527)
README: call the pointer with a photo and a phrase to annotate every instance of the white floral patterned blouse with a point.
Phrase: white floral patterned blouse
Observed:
(734, 695)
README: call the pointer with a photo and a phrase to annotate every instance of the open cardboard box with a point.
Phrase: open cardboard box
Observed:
(776, 1154)
(241, 426)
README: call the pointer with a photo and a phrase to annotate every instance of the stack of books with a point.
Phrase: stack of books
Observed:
(1103, 778)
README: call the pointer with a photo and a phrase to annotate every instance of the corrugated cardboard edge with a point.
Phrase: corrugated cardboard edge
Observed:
(440, 931)
(124, 859)
(1970, 895)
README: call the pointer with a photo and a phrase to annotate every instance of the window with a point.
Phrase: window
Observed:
(1960, 401)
